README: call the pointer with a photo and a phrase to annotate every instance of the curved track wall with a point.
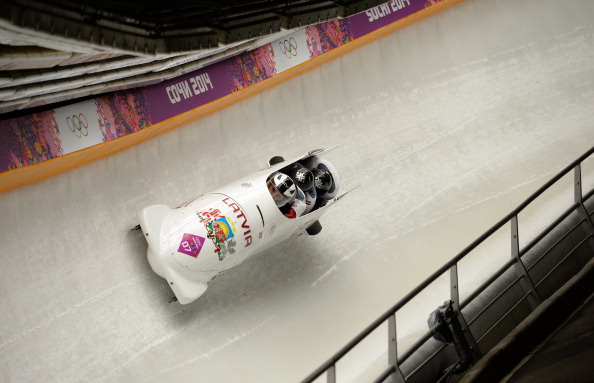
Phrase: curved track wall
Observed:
(47, 143)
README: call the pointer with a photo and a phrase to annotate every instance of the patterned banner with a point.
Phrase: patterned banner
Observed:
(42, 136)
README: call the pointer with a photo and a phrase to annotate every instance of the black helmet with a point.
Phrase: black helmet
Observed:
(322, 180)
(282, 188)
(302, 176)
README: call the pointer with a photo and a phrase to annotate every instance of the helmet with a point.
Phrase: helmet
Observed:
(282, 188)
(302, 176)
(322, 180)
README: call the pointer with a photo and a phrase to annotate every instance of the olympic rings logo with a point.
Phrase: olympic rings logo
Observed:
(78, 125)
(288, 47)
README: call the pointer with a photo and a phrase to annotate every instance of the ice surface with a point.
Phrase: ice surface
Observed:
(448, 124)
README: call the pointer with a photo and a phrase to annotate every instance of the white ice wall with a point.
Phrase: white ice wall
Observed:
(448, 124)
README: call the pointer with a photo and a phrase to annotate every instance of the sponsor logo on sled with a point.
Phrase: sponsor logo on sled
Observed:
(191, 244)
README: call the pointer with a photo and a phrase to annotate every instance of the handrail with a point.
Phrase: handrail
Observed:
(331, 362)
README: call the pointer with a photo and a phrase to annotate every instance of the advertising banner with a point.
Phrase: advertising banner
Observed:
(385, 14)
(290, 51)
(78, 126)
(176, 96)
(42, 136)
(28, 140)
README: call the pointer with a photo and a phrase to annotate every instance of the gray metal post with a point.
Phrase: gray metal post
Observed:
(397, 375)
(331, 374)
(579, 199)
(526, 282)
(455, 297)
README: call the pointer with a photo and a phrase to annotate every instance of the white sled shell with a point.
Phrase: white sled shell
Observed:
(192, 244)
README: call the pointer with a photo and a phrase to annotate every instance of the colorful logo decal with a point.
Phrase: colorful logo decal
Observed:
(78, 125)
(221, 231)
(191, 244)
(288, 47)
(225, 231)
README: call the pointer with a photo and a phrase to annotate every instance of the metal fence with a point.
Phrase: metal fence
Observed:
(532, 273)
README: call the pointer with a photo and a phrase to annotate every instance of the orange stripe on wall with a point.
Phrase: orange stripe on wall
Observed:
(36, 172)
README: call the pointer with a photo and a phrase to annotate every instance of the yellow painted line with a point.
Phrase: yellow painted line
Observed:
(32, 173)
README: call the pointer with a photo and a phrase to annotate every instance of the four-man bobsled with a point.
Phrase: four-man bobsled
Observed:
(192, 244)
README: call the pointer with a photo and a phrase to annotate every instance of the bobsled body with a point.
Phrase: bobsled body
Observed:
(192, 244)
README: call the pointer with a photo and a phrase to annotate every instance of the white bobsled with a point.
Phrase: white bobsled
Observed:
(192, 244)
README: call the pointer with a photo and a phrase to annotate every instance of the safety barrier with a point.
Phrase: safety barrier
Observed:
(494, 308)
(43, 144)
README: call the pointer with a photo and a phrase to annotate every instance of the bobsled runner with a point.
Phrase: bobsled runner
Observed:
(192, 244)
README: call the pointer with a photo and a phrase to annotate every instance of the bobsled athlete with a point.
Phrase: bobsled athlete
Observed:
(289, 198)
(304, 180)
(326, 180)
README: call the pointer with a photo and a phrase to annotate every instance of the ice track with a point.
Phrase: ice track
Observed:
(449, 123)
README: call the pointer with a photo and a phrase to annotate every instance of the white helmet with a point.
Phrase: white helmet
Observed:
(282, 188)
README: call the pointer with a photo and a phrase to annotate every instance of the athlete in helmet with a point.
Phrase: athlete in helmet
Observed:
(287, 196)
(281, 188)
(305, 181)
(326, 180)
(301, 175)
(323, 181)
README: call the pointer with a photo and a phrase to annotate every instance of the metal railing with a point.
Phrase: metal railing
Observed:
(517, 272)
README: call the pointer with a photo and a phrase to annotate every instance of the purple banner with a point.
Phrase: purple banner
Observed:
(181, 94)
(385, 14)
(46, 135)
